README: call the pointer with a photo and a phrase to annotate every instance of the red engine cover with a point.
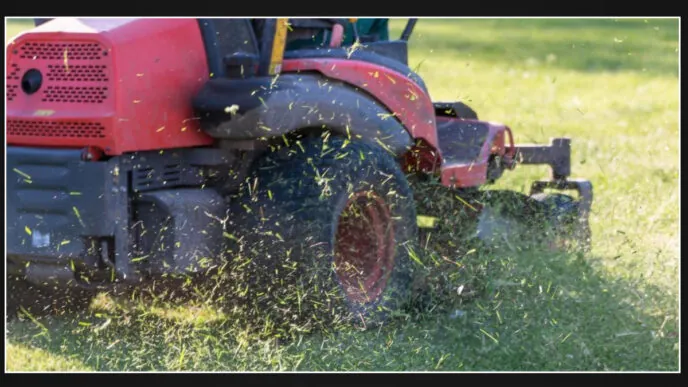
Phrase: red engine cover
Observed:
(120, 85)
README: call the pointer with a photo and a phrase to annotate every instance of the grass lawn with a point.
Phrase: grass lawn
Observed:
(612, 86)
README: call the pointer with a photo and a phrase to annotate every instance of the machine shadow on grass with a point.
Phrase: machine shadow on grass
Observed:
(535, 307)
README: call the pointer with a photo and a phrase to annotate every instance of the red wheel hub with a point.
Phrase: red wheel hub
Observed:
(364, 248)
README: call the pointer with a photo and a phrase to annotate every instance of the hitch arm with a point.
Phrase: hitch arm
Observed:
(557, 155)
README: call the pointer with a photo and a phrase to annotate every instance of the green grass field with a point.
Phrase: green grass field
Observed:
(612, 85)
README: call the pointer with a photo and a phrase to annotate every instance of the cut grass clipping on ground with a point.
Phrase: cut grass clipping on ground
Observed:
(612, 86)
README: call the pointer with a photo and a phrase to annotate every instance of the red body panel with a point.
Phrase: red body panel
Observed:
(475, 173)
(397, 92)
(125, 85)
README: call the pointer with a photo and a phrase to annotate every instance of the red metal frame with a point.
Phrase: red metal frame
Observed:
(475, 173)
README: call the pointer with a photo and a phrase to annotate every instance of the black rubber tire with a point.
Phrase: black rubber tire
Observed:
(471, 217)
(562, 213)
(286, 219)
(461, 209)
(23, 296)
(511, 203)
(546, 219)
(559, 207)
(520, 218)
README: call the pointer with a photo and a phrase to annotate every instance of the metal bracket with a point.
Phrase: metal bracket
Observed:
(557, 155)
(582, 186)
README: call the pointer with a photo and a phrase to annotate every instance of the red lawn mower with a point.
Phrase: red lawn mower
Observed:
(142, 148)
